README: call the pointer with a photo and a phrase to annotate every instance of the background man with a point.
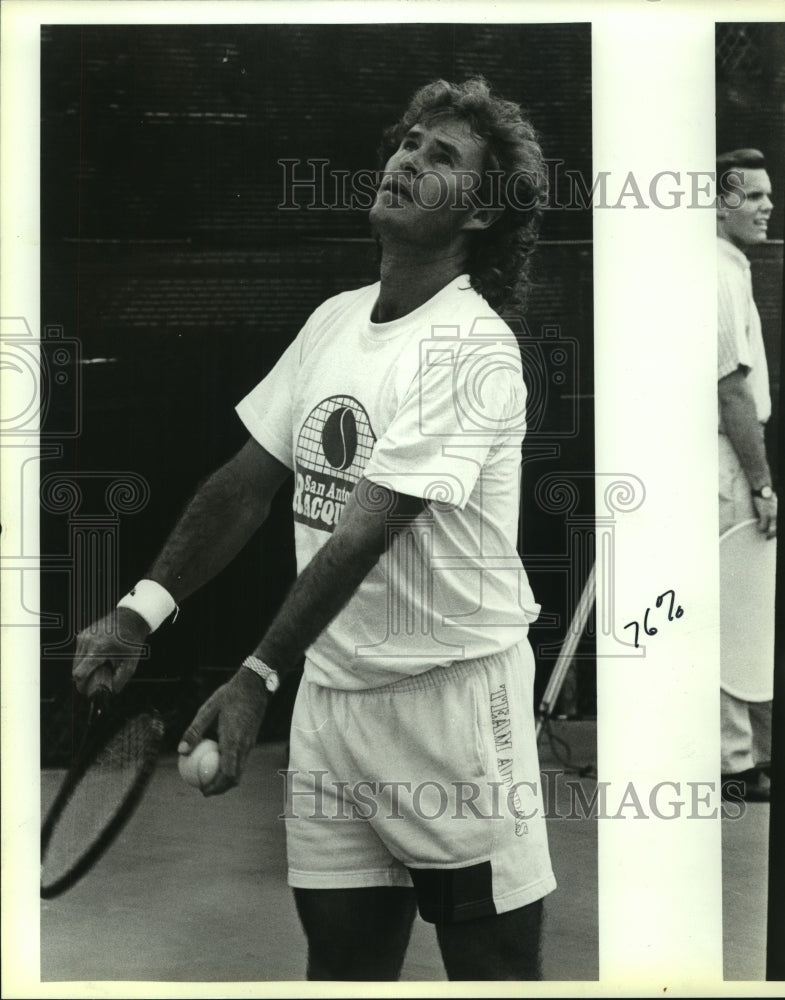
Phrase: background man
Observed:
(745, 487)
(400, 409)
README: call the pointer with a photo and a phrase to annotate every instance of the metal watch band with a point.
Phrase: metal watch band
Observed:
(270, 677)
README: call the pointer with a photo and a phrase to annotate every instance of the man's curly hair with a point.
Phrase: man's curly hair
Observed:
(500, 256)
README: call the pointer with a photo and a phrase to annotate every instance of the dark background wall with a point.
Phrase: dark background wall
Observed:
(166, 259)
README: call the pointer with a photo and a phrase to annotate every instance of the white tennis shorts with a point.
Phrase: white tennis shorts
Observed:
(432, 781)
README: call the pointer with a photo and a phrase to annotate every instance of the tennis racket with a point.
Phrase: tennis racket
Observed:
(103, 787)
(748, 576)
(567, 651)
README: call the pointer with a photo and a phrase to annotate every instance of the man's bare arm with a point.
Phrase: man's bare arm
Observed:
(226, 510)
(319, 593)
(224, 513)
(743, 428)
(746, 435)
(336, 571)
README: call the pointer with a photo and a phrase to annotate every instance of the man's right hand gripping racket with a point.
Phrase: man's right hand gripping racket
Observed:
(102, 788)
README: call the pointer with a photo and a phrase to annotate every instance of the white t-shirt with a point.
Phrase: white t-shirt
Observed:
(432, 405)
(739, 336)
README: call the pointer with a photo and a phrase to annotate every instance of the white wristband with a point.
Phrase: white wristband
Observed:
(270, 677)
(151, 601)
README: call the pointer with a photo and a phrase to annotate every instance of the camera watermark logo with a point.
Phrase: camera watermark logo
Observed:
(42, 408)
(41, 382)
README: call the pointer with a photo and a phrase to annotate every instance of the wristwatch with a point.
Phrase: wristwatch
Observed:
(764, 493)
(270, 677)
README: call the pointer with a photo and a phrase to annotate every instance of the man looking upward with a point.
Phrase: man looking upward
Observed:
(400, 411)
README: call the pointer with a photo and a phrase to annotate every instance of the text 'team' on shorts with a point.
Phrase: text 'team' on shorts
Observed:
(432, 781)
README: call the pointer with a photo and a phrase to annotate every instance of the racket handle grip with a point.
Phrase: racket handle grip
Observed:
(99, 684)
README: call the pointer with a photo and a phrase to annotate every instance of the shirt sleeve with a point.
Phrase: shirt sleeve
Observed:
(267, 409)
(733, 348)
(465, 401)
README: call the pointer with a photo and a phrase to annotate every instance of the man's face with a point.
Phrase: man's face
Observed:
(746, 224)
(423, 197)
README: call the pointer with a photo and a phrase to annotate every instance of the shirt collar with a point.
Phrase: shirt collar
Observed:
(732, 252)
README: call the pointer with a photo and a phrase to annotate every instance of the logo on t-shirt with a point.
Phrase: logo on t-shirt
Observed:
(333, 448)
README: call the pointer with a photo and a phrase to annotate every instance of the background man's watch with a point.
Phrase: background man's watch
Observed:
(764, 493)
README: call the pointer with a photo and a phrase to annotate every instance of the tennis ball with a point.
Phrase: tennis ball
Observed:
(201, 765)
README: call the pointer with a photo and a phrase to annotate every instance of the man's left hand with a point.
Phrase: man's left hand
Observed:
(238, 706)
(766, 509)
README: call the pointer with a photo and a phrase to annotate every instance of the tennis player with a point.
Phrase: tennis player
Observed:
(399, 409)
(745, 487)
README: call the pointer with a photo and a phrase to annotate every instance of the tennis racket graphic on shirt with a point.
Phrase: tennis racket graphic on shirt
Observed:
(103, 787)
(336, 438)
(333, 447)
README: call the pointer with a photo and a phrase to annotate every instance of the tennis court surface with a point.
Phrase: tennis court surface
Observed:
(194, 890)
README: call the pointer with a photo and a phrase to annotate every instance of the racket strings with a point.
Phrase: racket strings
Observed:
(100, 796)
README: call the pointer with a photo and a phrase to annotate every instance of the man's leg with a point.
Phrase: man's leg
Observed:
(356, 934)
(506, 946)
(760, 719)
(736, 735)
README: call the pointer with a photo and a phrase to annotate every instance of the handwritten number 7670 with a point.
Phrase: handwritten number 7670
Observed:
(659, 603)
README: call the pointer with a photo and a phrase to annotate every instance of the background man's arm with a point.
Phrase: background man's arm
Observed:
(224, 513)
(746, 435)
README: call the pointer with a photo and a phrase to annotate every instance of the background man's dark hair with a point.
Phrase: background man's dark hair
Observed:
(500, 256)
(737, 160)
